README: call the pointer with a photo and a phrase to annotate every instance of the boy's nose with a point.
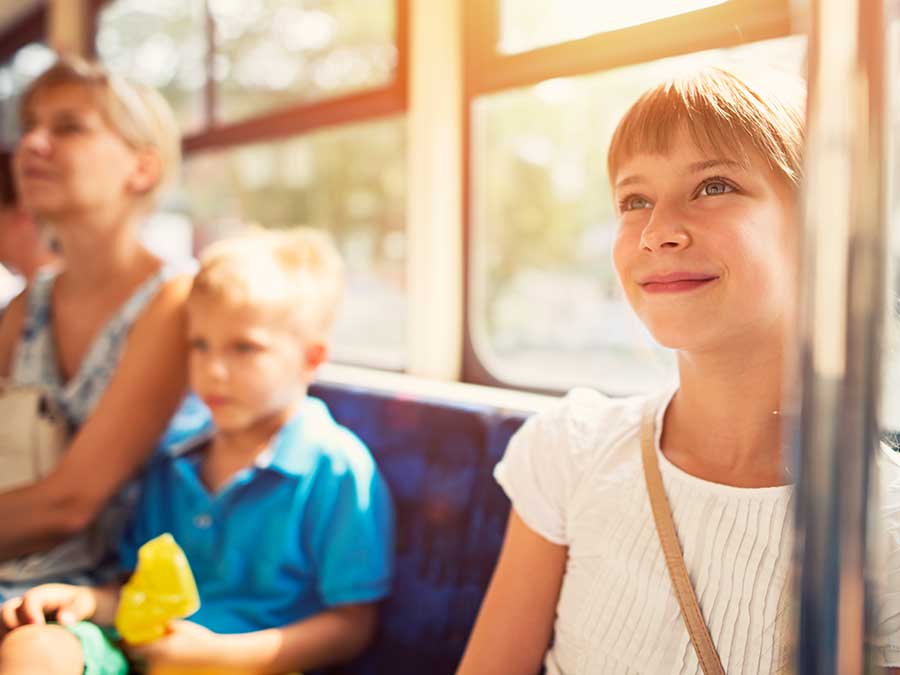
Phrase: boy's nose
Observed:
(216, 368)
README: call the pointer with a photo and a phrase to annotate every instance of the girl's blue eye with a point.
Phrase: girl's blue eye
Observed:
(716, 187)
(245, 347)
(634, 202)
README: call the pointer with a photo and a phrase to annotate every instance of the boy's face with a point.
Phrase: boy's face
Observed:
(704, 247)
(246, 363)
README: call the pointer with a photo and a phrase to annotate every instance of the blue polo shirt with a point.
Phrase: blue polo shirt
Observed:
(307, 527)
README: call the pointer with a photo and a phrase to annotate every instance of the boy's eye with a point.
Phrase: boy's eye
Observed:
(244, 347)
(198, 344)
(634, 202)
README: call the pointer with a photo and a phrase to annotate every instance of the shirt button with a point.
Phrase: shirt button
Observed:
(202, 521)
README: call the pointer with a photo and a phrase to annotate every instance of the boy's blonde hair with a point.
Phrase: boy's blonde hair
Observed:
(137, 113)
(297, 272)
(724, 115)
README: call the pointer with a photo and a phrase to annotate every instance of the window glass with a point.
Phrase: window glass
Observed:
(270, 53)
(547, 309)
(15, 75)
(349, 181)
(162, 44)
(528, 24)
(890, 399)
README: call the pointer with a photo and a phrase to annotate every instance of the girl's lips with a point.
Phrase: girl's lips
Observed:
(676, 283)
(215, 401)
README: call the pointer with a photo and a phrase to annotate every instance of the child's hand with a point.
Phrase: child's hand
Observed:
(71, 604)
(184, 644)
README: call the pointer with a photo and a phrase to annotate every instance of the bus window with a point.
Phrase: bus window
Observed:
(26, 64)
(275, 52)
(160, 44)
(349, 180)
(890, 399)
(544, 223)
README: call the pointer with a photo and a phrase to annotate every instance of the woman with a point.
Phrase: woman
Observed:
(705, 171)
(105, 334)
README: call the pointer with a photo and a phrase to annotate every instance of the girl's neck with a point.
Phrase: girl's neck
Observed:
(724, 423)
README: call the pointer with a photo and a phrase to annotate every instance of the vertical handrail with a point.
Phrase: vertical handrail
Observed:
(841, 291)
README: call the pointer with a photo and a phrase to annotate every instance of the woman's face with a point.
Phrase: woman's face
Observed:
(704, 245)
(69, 161)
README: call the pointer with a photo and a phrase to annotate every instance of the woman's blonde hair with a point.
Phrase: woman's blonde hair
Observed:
(137, 113)
(297, 272)
(723, 114)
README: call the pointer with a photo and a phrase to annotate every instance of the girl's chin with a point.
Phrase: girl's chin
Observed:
(683, 337)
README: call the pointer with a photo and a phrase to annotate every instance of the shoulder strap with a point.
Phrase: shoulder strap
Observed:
(38, 302)
(668, 539)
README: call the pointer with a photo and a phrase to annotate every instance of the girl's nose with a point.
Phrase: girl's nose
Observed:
(665, 230)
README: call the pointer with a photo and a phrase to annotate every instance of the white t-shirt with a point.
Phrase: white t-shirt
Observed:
(574, 476)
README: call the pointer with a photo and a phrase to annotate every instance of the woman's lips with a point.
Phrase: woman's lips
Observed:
(37, 174)
(677, 282)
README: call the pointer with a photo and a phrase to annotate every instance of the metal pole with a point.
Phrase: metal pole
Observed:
(843, 250)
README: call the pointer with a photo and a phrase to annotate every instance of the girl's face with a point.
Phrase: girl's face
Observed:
(704, 249)
(69, 161)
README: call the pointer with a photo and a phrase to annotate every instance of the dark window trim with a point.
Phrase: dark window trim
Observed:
(300, 118)
(30, 28)
(488, 71)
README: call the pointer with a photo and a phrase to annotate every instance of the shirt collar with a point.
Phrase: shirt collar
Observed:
(289, 451)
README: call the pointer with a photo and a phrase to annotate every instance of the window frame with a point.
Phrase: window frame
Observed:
(292, 119)
(29, 28)
(488, 71)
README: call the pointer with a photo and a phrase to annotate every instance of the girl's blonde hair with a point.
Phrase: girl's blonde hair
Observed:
(137, 113)
(724, 115)
(297, 272)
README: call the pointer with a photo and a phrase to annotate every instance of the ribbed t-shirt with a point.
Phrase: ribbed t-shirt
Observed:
(574, 476)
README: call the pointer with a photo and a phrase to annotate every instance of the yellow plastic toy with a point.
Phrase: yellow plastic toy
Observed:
(161, 589)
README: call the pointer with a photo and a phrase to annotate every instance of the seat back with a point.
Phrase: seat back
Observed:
(438, 458)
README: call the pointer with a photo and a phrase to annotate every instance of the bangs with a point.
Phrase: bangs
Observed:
(722, 116)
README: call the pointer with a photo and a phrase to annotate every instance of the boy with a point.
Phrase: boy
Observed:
(283, 516)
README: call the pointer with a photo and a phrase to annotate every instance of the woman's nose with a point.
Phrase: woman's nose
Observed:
(35, 140)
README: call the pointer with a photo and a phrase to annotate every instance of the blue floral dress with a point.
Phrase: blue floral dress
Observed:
(89, 556)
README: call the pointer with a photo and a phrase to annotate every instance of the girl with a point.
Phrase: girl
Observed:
(705, 171)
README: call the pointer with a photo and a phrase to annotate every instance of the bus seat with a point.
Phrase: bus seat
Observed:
(438, 458)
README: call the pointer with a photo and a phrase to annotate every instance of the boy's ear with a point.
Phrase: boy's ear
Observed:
(315, 355)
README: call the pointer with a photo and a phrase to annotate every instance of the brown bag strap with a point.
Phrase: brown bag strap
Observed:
(668, 539)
